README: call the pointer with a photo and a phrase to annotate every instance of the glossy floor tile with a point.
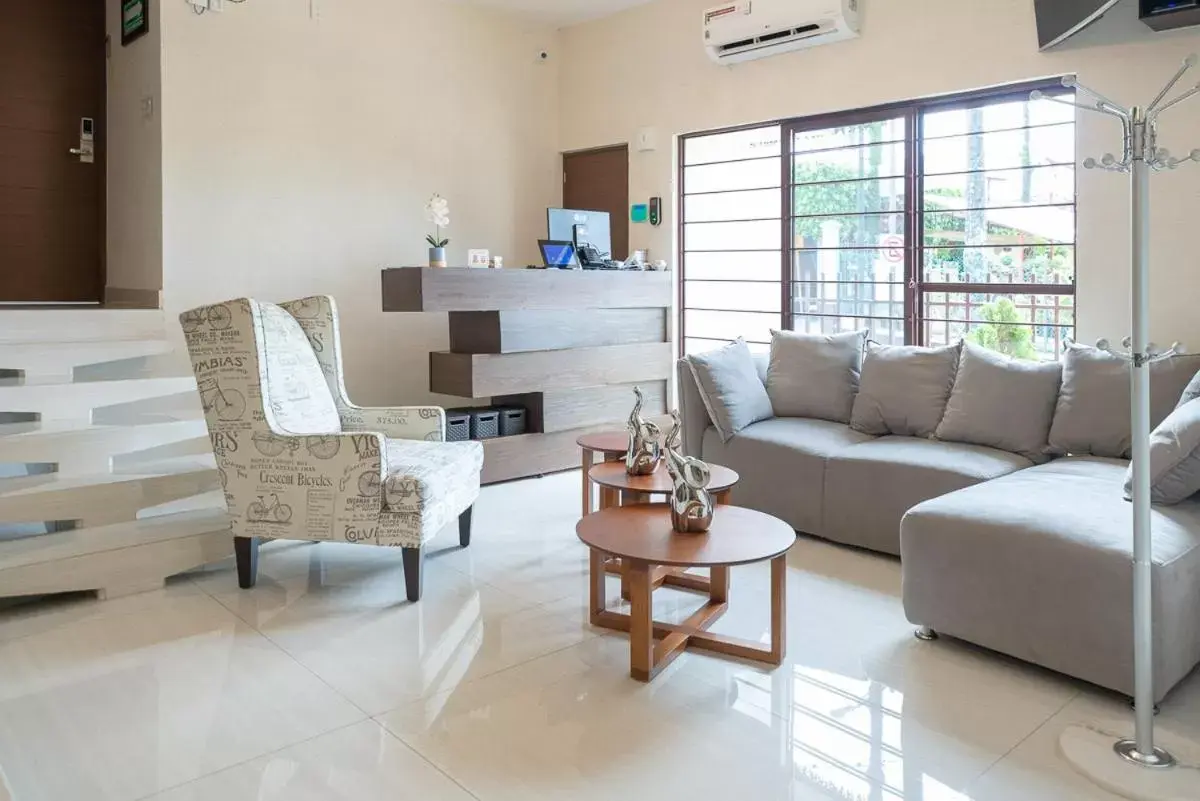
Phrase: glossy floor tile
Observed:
(323, 682)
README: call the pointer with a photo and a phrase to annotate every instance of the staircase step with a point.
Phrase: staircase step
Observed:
(64, 356)
(72, 442)
(107, 496)
(24, 326)
(79, 399)
(84, 541)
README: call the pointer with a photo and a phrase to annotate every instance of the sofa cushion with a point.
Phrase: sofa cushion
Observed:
(429, 483)
(814, 375)
(782, 465)
(1174, 457)
(988, 388)
(1092, 417)
(1191, 392)
(730, 387)
(869, 487)
(904, 389)
(1037, 565)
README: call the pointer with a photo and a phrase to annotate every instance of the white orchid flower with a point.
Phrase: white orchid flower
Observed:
(437, 211)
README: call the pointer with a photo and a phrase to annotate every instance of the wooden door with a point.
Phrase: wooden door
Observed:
(52, 74)
(598, 180)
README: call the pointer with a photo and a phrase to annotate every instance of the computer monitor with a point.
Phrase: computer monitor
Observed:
(558, 253)
(584, 228)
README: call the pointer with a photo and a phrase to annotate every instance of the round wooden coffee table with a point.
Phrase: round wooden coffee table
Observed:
(643, 537)
(612, 444)
(612, 475)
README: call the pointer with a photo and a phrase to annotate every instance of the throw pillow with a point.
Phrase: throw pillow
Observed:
(1174, 457)
(1002, 402)
(1093, 410)
(729, 385)
(904, 389)
(814, 375)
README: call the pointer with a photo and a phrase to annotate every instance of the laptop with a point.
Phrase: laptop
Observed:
(561, 254)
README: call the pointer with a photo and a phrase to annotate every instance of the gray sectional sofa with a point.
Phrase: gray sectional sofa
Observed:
(1028, 554)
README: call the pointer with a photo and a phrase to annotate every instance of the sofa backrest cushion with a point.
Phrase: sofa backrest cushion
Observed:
(904, 389)
(1092, 417)
(815, 375)
(1002, 402)
(1174, 457)
(730, 388)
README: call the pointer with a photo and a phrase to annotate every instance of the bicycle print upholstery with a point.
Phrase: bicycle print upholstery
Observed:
(299, 460)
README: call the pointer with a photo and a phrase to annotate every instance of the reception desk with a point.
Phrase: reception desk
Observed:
(568, 345)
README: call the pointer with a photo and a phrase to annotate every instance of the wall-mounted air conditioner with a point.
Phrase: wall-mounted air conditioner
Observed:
(751, 29)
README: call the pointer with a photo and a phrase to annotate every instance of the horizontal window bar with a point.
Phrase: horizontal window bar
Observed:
(900, 177)
(732, 250)
(719, 339)
(985, 131)
(776, 157)
(852, 316)
(730, 191)
(892, 213)
(848, 283)
(730, 311)
(990, 208)
(844, 147)
(1000, 289)
(1050, 166)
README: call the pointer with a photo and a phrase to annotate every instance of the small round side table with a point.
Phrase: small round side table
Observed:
(642, 536)
(618, 488)
(613, 445)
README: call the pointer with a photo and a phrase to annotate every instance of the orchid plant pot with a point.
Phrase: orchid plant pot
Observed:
(437, 257)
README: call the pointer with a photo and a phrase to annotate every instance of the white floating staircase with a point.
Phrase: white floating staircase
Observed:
(107, 480)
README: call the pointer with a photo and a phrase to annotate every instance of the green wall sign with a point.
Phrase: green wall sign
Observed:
(135, 20)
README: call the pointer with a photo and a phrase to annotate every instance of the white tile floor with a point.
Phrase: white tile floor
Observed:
(323, 683)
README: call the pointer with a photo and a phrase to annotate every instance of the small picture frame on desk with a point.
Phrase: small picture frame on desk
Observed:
(478, 258)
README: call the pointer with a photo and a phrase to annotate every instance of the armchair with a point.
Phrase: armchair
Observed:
(298, 460)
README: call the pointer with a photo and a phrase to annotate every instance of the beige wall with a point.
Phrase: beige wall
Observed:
(134, 151)
(646, 67)
(299, 154)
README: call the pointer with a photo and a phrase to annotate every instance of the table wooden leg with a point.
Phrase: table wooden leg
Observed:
(724, 498)
(718, 586)
(596, 593)
(778, 608)
(587, 482)
(641, 627)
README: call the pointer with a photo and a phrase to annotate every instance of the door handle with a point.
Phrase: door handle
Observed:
(78, 151)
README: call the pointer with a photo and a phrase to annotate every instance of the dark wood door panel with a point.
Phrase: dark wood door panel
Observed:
(598, 180)
(52, 74)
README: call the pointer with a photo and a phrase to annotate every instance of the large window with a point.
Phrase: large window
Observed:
(926, 222)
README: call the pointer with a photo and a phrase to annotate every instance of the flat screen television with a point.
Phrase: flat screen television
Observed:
(1059, 20)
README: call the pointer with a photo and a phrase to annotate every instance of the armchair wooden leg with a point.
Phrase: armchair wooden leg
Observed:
(464, 527)
(414, 572)
(245, 551)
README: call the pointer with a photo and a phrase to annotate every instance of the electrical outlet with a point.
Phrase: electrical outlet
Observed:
(148, 107)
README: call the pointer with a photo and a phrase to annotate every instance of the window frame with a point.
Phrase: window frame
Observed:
(915, 287)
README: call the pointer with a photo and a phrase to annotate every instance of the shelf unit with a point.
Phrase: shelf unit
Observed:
(567, 345)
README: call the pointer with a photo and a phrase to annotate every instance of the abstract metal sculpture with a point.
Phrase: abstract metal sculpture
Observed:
(645, 453)
(691, 503)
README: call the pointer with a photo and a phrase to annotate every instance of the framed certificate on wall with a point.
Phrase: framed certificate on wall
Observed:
(135, 20)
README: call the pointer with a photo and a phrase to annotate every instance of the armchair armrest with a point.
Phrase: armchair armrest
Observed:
(283, 486)
(402, 422)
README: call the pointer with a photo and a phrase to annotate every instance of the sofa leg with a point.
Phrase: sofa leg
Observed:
(464, 527)
(414, 572)
(925, 633)
(245, 550)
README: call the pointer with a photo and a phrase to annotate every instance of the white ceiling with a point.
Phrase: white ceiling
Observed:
(563, 12)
